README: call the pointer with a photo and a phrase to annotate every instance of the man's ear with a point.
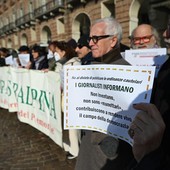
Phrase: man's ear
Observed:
(114, 41)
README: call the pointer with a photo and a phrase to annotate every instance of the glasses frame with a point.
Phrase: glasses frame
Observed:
(145, 39)
(80, 46)
(96, 38)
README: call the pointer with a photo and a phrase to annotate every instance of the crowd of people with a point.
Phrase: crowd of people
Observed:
(149, 129)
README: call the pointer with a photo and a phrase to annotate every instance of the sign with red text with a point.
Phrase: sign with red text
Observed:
(147, 57)
(100, 97)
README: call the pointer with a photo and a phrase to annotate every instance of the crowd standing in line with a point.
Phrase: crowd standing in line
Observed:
(149, 129)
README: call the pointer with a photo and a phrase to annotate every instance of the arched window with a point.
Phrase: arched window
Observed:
(45, 35)
(80, 26)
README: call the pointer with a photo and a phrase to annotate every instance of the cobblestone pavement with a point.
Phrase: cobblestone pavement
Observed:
(22, 147)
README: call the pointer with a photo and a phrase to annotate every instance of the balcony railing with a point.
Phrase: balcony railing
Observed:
(7, 29)
(1, 32)
(29, 17)
(72, 3)
(20, 21)
(26, 19)
(54, 6)
(11, 26)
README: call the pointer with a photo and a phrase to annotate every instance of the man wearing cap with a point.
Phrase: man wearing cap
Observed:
(84, 57)
(83, 50)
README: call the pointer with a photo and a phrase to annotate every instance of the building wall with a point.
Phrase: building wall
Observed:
(125, 11)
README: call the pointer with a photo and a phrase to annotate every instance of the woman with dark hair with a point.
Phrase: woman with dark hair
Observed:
(39, 59)
(65, 53)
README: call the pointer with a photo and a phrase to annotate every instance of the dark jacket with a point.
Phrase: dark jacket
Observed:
(42, 63)
(51, 64)
(160, 158)
(100, 147)
(2, 62)
(86, 60)
(99, 151)
(161, 98)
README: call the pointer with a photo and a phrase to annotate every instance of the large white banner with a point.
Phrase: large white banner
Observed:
(7, 97)
(36, 96)
(100, 97)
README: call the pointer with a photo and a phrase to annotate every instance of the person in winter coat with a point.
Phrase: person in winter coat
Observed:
(102, 152)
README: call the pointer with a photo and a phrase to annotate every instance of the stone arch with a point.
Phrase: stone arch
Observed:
(80, 26)
(108, 8)
(144, 12)
(45, 35)
(133, 14)
(24, 39)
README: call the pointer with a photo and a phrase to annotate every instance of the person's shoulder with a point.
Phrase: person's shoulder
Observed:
(73, 61)
(166, 65)
(121, 61)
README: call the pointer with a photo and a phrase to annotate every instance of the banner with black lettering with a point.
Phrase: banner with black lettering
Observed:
(101, 97)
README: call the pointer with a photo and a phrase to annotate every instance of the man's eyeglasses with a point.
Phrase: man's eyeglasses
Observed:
(145, 39)
(96, 38)
(80, 46)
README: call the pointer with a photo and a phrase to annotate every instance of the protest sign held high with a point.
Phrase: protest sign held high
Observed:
(100, 97)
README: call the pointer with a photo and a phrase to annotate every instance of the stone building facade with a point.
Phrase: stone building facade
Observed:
(26, 22)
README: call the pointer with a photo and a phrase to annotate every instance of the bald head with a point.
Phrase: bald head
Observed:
(143, 30)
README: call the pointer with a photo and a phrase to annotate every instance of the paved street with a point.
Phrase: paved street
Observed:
(22, 147)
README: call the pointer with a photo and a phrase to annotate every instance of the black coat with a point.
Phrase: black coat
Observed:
(43, 64)
(86, 60)
(99, 151)
(2, 62)
(157, 160)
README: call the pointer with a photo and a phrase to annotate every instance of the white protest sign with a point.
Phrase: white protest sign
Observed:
(9, 60)
(24, 59)
(100, 97)
(147, 57)
(15, 64)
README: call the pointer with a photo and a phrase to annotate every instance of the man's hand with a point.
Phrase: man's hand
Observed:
(146, 130)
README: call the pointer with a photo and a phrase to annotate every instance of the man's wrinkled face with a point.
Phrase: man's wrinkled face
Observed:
(143, 38)
(100, 43)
